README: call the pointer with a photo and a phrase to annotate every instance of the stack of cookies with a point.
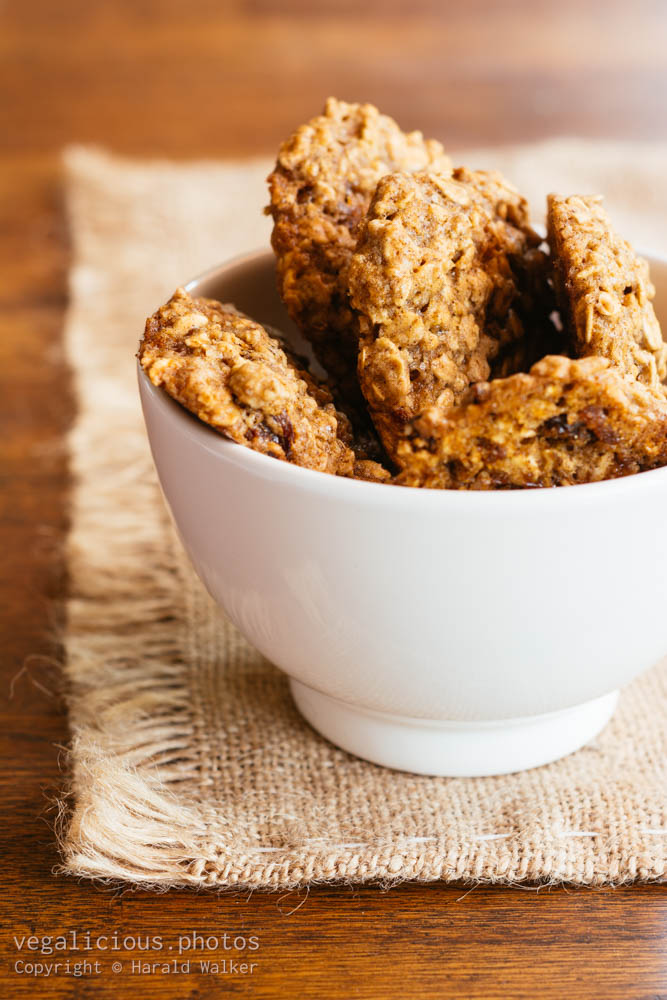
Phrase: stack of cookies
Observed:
(461, 350)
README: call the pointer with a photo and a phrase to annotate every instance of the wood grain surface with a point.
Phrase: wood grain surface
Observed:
(206, 78)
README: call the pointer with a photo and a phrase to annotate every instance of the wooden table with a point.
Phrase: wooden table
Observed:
(159, 77)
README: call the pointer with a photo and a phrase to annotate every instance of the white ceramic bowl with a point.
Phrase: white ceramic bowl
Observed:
(441, 632)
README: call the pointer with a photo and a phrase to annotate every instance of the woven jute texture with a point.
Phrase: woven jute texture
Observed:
(189, 762)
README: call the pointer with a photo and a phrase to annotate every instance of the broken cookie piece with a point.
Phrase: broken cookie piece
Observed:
(604, 290)
(450, 287)
(229, 372)
(370, 471)
(322, 184)
(564, 422)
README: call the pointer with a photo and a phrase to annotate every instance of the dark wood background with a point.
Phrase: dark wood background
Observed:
(206, 78)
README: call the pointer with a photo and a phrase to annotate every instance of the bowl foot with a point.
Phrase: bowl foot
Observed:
(453, 749)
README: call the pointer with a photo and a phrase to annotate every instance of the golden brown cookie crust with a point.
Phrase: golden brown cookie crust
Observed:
(604, 290)
(320, 189)
(229, 372)
(444, 275)
(370, 471)
(564, 422)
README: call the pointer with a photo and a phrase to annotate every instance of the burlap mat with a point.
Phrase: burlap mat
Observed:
(189, 762)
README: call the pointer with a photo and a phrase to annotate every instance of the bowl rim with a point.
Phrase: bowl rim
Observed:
(311, 480)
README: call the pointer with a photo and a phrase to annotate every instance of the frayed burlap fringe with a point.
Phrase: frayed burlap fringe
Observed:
(189, 764)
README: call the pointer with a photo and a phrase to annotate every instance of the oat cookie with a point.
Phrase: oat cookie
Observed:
(450, 288)
(564, 422)
(604, 290)
(371, 471)
(229, 372)
(320, 189)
